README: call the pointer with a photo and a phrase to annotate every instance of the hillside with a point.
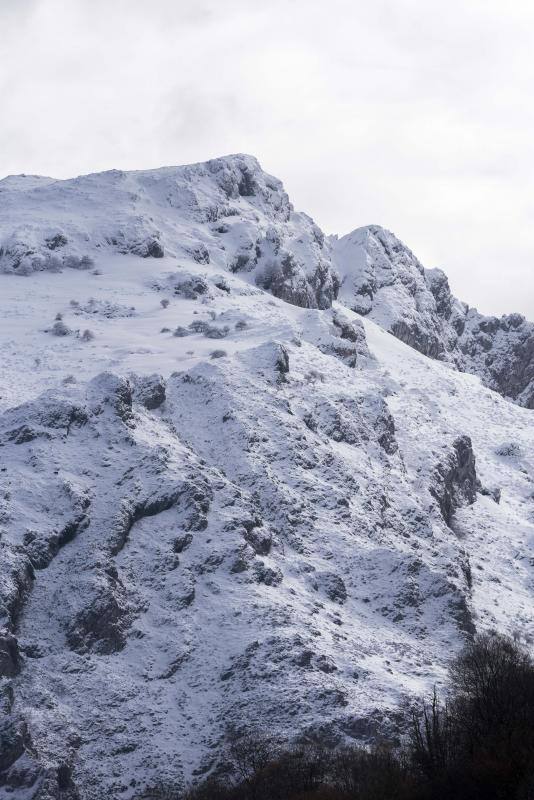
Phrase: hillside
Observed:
(229, 496)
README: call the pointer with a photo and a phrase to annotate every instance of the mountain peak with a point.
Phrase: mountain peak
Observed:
(243, 477)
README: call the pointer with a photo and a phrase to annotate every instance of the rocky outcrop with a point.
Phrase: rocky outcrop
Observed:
(149, 390)
(226, 212)
(501, 351)
(102, 626)
(10, 661)
(455, 480)
(383, 279)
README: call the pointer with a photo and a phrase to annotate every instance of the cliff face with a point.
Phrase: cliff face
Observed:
(222, 507)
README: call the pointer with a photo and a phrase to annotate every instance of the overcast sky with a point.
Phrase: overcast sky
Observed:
(417, 115)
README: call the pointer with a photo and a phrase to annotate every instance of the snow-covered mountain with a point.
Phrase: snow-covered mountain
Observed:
(226, 496)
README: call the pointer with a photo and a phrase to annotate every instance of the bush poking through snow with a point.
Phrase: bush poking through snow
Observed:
(180, 331)
(87, 335)
(86, 262)
(218, 354)
(164, 303)
(60, 329)
(198, 326)
(474, 743)
(241, 325)
(213, 332)
(75, 262)
(209, 331)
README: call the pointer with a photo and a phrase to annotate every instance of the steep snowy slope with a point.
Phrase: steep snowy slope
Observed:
(382, 278)
(227, 509)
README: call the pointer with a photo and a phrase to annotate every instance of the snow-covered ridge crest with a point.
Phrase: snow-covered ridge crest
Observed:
(232, 215)
(227, 212)
(382, 278)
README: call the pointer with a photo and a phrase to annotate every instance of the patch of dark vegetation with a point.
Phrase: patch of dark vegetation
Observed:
(474, 742)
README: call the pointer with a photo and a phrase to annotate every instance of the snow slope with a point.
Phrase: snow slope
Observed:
(283, 516)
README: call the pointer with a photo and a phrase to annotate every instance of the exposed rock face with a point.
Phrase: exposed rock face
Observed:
(149, 390)
(455, 480)
(9, 655)
(501, 351)
(13, 736)
(102, 625)
(382, 279)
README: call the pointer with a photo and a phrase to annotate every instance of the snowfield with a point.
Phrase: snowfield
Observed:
(237, 501)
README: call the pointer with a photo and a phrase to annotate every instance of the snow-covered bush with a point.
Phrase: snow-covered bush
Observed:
(509, 450)
(86, 262)
(214, 332)
(218, 354)
(180, 331)
(60, 329)
(198, 326)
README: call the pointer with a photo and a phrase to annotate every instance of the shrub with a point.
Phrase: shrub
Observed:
(53, 263)
(87, 335)
(218, 354)
(181, 331)
(164, 303)
(72, 262)
(479, 743)
(86, 262)
(198, 326)
(60, 329)
(476, 743)
(241, 325)
(213, 332)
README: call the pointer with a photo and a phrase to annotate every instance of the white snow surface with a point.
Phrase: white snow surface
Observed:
(262, 546)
